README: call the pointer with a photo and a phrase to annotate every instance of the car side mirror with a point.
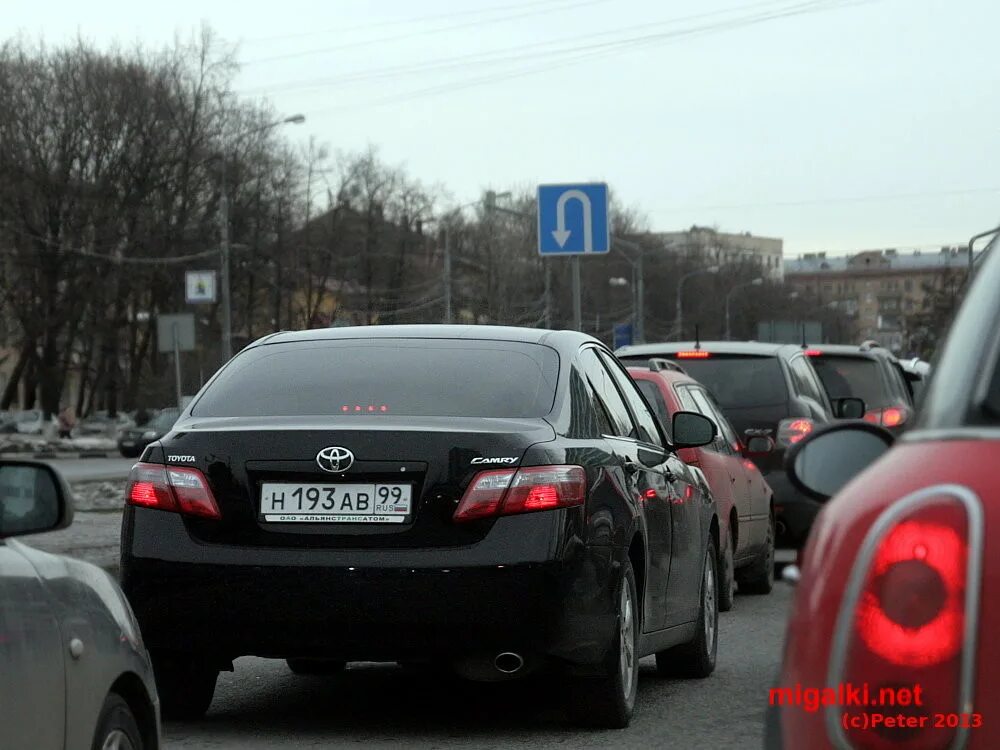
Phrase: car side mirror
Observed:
(849, 408)
(692, 430)
(33, 498)
(830, 458)
(758, 445)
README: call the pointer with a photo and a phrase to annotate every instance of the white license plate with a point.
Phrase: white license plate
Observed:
(335, 503)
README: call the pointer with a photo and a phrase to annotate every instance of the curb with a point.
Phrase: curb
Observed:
(93, 454)
(46, 454)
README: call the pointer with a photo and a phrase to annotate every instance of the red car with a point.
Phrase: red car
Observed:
(743, 496)
(892, 640)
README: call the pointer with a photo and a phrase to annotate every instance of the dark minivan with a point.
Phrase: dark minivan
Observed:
(764, 389)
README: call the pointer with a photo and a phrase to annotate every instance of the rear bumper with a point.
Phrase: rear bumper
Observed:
(794, 512)
(517, 590)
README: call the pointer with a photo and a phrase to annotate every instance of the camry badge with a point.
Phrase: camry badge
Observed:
(334, 459)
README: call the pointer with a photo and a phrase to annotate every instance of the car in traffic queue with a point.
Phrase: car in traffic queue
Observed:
(497, 500)
(871, 373)
(900, 580)
(73, 669)
(746, 549)
(133, 440)
(767, 390)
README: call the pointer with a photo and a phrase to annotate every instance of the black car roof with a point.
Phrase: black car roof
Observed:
(556, 339)
(760, 348)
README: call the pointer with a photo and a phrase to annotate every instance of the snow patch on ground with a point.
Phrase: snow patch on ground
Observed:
(17, 443)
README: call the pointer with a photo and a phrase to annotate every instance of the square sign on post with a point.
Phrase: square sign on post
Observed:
(573, 219)
(199, 287)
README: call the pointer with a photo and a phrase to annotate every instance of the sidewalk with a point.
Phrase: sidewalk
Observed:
(95, 533)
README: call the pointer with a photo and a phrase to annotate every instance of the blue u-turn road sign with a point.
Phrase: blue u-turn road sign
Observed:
(573, 219)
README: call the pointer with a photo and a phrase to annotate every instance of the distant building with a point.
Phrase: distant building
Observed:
(725, 248)
(880, 289)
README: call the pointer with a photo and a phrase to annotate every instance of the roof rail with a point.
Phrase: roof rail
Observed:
(867, 346)
(658, 364)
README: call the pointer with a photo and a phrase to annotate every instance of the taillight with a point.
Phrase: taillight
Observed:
(891, 416)
(696, 354)
(171, 488)
(531, 488)
(909, 614)
(791, 431)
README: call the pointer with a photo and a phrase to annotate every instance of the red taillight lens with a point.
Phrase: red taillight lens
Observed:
(814, 353)
(906, 623)
(171, 488)
(791, 431)
(891, 416)
(698, 354)
(531, 488)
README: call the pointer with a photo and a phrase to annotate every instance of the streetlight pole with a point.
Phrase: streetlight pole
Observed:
(679, 313)
(224, 249)
(756, 282)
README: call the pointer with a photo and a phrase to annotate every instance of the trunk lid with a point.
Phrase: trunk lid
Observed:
(431, 455)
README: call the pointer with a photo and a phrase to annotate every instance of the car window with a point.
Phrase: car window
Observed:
(805, 380)
(645, 420)
(725, 428)
(608, 395)
(858, 377)
(653, 395)
(740, 382)
(720, 444)
(687, 400)
(588, 417)
(410, 377)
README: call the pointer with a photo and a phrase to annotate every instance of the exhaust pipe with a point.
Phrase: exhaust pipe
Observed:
(507, 662)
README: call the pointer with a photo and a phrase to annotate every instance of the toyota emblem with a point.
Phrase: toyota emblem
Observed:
(334, 459)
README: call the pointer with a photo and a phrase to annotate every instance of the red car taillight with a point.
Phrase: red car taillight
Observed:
(891, 416)
(791, 431)
(171, 488)
(508, 491)
(908, 618)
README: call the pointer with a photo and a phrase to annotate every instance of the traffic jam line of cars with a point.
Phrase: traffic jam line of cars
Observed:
(576, 511)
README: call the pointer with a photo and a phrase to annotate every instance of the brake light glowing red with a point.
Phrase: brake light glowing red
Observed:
(814, 353)
(171, 488)
(698, 354)
(908, 623)
(791, 431)
(893, 416)
(524, 490)
(358, 408)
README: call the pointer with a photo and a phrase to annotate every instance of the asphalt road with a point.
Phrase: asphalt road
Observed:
(263, 705)
(87, 469)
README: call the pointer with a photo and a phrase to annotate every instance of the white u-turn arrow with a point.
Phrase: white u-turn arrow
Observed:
(561, 233)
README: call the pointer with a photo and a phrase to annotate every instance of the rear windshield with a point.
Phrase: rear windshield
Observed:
(738, 382)
(852, 376)
(403, 377)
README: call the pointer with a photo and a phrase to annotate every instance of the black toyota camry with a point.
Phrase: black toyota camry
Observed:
(496, 500)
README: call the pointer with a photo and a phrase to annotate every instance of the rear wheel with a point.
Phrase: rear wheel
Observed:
(185, 685)
(608, 702)
(727, 576)
(116, 726)
(316, 666)
(697, 658)
(758, 578)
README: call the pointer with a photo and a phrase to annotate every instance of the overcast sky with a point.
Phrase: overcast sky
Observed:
(852, 125)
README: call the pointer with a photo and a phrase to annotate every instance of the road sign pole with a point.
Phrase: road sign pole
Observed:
(227, 313)
(548, 292)
(640, 306)
(577, 303)
(447, 274)
(177, 365)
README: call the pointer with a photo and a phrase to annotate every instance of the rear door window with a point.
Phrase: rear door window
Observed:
(806, 382)
(721, 443)
(652, 393)
(408, 377)
(644, 418)
(607, 393)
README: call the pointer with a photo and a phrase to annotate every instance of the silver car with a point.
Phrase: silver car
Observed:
(73, 669)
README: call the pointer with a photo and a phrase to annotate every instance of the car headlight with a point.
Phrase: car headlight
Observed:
(149, 435)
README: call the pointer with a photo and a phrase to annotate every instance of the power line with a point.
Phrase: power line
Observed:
(401, 22)
(602, 50)
(516, 53)
(425, 32)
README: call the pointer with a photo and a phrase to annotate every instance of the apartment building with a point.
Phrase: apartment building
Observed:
(880, 289)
